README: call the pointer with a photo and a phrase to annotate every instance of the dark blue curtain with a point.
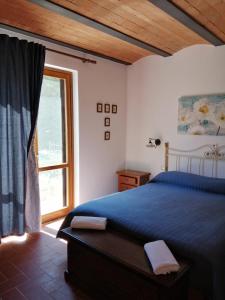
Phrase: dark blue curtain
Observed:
(21, 73)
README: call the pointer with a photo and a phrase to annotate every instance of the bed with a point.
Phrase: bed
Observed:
(184, 209)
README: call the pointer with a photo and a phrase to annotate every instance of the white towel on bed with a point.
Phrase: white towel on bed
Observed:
(84, 222)
(161, 258)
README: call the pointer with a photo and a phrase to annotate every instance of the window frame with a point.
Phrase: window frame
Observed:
(69, 138)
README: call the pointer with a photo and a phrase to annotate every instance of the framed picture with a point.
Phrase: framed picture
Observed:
(107, 135)
(99, 107)
(107, 108)
(202, 115)
(107, 122)
(114, 109)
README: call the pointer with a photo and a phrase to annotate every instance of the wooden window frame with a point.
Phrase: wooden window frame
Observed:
(69, 138)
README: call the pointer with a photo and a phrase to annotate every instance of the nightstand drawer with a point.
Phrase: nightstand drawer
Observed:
(124, 187)
(127, 180)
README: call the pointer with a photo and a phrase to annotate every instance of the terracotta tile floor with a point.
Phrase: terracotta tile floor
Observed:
(34, 269)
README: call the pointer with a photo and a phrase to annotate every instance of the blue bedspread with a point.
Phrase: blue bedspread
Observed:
(187, 211)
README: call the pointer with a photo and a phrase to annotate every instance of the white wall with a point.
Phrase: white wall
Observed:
(98, 159)
(154, 85)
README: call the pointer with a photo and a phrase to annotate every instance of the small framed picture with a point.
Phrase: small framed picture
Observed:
(99, 107)
(107, 108)
(107, 135)
(107, 122)
(114, 109)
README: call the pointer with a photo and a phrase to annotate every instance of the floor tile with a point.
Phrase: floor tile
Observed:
(33, 291)
(13, 294)
(34, 269)
(12, 283)
(2, 278)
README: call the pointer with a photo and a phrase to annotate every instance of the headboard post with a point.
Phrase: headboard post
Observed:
(166, 156)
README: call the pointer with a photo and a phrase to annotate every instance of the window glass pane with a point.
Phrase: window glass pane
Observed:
(52, 190)
(51, 122)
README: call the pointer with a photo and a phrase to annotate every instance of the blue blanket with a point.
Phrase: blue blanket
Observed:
(187, 211)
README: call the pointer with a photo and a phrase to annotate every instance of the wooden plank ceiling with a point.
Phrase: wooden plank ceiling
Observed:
(139, 19)
(209, 13)
(33, 18)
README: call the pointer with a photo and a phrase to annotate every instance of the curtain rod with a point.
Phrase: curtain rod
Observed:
(84, 60)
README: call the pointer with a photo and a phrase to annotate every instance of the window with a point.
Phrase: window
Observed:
(54, 145)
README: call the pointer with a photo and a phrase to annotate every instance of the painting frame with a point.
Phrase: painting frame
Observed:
(107, 122)
(99, 107)
(107, 108)
(107, 135)
(114, 108)
(202, 114)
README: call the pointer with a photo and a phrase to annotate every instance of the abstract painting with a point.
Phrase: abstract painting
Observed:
(202, 115)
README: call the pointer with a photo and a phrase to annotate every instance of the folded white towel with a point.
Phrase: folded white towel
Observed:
(161, 258)
(84, 222)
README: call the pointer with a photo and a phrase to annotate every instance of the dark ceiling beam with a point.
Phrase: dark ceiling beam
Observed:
(56, 42)
(180, 15)
(98, 26)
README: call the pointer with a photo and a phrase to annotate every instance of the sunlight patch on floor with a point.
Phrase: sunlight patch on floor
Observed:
(52, 228)
(14, 238)
(53, 236)
(54, 225)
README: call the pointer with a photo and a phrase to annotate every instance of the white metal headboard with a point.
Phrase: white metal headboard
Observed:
(197, 157)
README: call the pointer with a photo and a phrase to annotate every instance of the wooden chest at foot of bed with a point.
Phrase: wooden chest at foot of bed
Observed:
(110, 266)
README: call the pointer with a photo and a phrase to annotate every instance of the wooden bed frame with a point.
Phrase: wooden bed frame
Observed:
(112, 267)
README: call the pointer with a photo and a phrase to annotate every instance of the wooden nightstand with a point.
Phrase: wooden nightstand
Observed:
(129, 179)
